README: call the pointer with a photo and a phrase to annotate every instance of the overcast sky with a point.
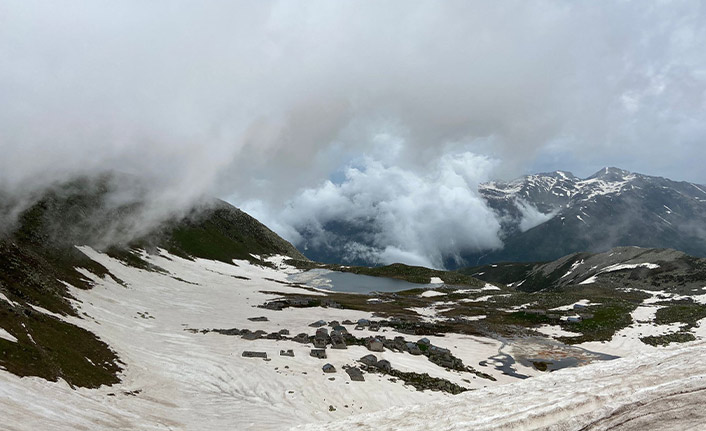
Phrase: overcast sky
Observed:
(263, 103)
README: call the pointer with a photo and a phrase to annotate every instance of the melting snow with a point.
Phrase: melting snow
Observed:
(583, 302)
(573, 267)
(6, 299)
(7, 336)
(431, 293)
(621, 266)
(643, 392)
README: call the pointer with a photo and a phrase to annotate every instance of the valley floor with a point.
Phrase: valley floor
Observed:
(178, 378)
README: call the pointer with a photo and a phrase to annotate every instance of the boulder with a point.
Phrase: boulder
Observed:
(369, 360)
(301, 338)
(355, 374)
(328, 368)
(384, 365)
(338, 341)
(289, 353)
(250, 335)
(249, 354)
(374, 345)
(413, 349)
(318, 324)
(258, 319)
(318, 353)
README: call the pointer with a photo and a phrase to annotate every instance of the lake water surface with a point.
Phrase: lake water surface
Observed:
(355, 283)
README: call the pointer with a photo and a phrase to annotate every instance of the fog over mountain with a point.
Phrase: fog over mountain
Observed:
(391, 113)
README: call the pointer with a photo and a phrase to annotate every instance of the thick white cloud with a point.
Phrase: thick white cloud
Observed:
(258, 100)
(407, 216)
(531, 216)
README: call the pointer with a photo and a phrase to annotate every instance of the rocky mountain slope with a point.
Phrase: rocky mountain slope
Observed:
(618, 268)
(546, 216)
(39, 258)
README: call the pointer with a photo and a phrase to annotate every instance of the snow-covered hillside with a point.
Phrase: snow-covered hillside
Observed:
(664, 390)
(177, 378)
(178, 374)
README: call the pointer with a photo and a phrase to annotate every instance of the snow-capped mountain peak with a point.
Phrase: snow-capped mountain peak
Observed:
(610, 208)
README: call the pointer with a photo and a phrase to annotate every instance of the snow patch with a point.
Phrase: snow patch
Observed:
(622, 266)
(590, 280)
(581, 303)
(6, 299)
(7, 336)
(431, 293)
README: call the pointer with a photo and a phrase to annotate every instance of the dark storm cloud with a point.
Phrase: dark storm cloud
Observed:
(262, 101)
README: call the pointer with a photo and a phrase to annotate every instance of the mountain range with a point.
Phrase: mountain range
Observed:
(110, 319)
(549, 215)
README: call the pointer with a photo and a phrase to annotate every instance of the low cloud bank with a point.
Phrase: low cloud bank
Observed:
(391, 214)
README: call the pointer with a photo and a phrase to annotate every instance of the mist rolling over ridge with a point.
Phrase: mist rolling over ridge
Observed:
(319, 215)
(275, 99)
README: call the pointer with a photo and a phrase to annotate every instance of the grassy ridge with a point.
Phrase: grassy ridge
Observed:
(38, 254)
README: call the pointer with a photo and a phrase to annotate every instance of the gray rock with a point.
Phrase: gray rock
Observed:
(328, 368)
(374, 345)
(413, 349)
(369, 360)
(318, 353)
(355, 374)
(250, 335)
(258, 319)
(249, 354)
(318, 324)
(301, 338)
(384, 365)
(289, 353)
(338, 341)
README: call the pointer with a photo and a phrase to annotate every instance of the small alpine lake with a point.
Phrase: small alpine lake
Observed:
(353, 283)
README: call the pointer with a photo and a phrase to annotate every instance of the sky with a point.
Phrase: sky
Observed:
(394, 111)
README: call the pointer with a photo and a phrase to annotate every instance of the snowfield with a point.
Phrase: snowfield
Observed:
(177, 378)
(664, 390)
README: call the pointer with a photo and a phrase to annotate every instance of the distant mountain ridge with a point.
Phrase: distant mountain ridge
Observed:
(618, 268)
(549, 215)
(611, 208)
